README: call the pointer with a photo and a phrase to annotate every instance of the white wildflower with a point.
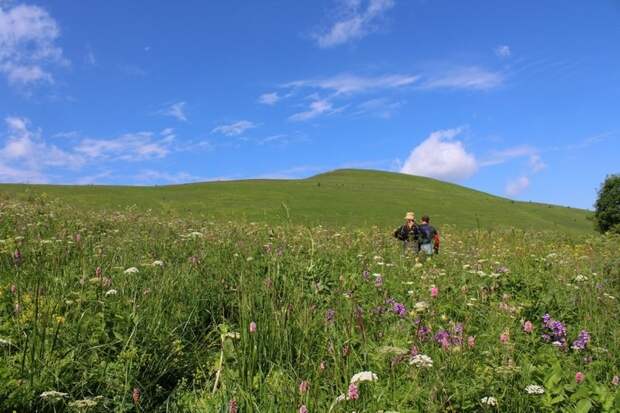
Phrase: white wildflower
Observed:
(490, 401)
(110, 292)
(4, 342)
(420, 306)
(195, 234)
(580, 278)
(131, 270)
(421, 360)
(363, 376)
(53, 394)
(534, 389)
(157, 263)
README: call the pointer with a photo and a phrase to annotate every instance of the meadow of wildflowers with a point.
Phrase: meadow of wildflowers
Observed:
(128, 311)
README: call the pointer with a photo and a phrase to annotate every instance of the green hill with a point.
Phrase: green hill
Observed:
(342, 197)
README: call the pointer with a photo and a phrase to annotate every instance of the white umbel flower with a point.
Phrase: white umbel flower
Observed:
(111, 292)
(420, 306)
(363, 376)
(157, 263)
(534, 389)
(131, 270)
(422, 360)
(489, 401)
(53, 394)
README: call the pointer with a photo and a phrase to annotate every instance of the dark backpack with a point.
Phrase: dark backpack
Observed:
(426, 234)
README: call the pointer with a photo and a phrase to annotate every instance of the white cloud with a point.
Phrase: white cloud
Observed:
(151, 176)
(381, 107)
(90, 57)
(517, 186)
(28, 47)
(536, 163)
(472, 78)
(24, 155)
(440, 156)
(234, 129)
(499, 157)
(502, 51)
(348, 84)
(317, 108)
(176, 110)
(269, 98)
(130, 147)
(355, 21)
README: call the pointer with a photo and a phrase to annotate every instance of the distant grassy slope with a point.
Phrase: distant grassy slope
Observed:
(342, 197)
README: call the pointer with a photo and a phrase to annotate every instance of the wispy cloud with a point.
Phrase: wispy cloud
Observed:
(130, 147)
(502, 51)
(28, 47)
(497, 157)
(234, 129)
(149, 176)
(471, 77)
(517, 186)
(317, 108)
(381, 107)
(356, 19)
(175, 110)
(269, 98)
(346, 84)
(441, 156)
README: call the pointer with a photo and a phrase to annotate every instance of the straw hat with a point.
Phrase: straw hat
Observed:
(410, 215)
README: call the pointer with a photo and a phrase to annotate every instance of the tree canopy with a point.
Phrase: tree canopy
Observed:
(608, 205)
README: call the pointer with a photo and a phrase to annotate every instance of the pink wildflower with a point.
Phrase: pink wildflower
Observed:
(322, 366)
(528, 327)
(252, 327)
(135, 395)
(353, 392)
(232, 406)
(616, 380)
(303, 409)
(579, 377)
(434, 292)
(471, 341)
(303, 387)
(504, 337)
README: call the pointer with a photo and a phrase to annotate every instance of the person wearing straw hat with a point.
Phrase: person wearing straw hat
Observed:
(408, 233)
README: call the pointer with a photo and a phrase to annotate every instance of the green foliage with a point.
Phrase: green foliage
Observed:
(607, 205)
(353, 198)
(173, 335)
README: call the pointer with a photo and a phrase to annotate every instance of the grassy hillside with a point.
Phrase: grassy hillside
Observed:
(342, 197)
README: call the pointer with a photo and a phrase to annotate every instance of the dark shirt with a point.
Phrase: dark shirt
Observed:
(426, 233)
(406, 233)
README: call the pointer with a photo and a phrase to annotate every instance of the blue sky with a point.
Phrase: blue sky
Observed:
(518, 99)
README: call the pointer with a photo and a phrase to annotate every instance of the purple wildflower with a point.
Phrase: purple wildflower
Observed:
(399, 309)
(423, 332)
(379, 281)
(366, 275)
(582, 341)
(443, 337)
(330, 315)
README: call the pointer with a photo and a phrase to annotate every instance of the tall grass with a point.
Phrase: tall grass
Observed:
(175, 334)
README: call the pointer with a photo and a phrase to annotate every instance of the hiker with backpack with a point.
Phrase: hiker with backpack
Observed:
(408, 234)
(428, 236)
